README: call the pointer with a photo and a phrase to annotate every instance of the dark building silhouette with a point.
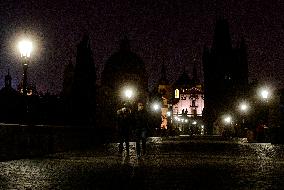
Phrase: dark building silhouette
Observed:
(68, 77)
(125, 68)
(225, 73)
(10, 102)
(83, 90)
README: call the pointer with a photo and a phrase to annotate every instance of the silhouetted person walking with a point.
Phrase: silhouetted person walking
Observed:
(141, 129)
(124, 124)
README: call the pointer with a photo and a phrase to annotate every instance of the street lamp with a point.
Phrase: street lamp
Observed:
(25, 47)
(128, 93)
(264, 94)
(228, 119)
(156, 107)
(243, 109)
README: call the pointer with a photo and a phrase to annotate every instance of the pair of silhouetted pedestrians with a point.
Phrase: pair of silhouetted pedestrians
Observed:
(138, 122)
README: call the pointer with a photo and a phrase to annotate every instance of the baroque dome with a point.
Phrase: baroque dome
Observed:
(124, 65)
(125, 61)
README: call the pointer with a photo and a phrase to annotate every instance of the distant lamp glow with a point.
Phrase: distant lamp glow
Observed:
(168, 113)
(128, 93)
(156, 106)
(194, 123)
(244, 107)
(228, 119)
(25, 47)
(264, 94)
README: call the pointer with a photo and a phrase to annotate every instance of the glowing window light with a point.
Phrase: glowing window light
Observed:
(176, 93)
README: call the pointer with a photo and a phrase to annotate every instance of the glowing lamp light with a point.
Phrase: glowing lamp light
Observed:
(128, 93)
(244, 107)
(194, 122)
(264, 93)
(25, 47)
(156, 107)
(228, 119)
(168, 113)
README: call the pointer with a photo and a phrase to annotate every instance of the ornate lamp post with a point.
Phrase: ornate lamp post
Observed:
(227, 119)
(265, 95)
(25, 47)
(243, 109)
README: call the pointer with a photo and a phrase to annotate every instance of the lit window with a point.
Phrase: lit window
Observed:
(176, 93)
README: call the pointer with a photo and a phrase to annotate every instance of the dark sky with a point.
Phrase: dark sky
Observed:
(161, 31)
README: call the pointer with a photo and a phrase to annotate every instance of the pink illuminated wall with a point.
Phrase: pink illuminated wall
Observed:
(192, 100)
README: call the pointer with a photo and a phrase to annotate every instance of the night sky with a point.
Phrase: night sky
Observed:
(161, 31)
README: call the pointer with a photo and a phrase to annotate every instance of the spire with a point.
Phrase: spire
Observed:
(163, 79)
(222, 38)
(85, 41)
(243, 45)
(8, 80)
(124, 44)
(69, 67)
(194, 74)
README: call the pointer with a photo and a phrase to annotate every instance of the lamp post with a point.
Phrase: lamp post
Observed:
(228, 122)
(243, 109)
(25, 47)
(265, 95)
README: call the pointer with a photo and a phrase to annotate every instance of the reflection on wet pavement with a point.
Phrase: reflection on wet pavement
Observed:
(169, 164)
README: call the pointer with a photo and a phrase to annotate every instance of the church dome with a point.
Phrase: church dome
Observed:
(124, 63)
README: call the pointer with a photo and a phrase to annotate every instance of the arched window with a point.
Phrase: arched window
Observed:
(176, 93)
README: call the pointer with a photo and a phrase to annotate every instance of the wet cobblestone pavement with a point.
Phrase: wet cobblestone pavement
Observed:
(169, 164)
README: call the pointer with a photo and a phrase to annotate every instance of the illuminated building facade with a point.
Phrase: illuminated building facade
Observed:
(183, 101)
(188, 104)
